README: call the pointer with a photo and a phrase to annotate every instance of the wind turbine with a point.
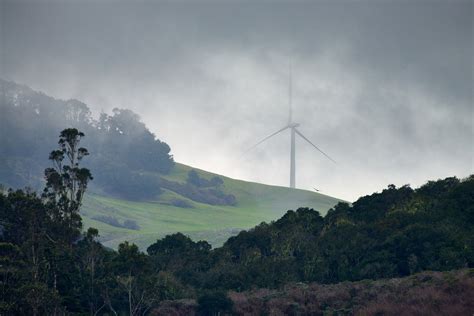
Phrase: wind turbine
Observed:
(292, 126)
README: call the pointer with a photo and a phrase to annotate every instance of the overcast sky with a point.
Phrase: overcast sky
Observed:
(384, 87)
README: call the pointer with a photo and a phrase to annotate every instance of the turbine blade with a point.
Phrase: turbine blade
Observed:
(290, 94)
(322, 152)
(270, 136)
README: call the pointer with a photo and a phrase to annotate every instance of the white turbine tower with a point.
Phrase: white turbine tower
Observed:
(292, 126)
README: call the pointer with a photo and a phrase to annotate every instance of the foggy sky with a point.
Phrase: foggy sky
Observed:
(384, 87)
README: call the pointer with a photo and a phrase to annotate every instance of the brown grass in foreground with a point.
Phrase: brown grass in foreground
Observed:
(426, 293)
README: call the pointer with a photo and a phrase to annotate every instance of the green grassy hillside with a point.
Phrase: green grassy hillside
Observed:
(214, 223)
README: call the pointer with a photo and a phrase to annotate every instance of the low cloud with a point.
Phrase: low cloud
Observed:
(383, 88)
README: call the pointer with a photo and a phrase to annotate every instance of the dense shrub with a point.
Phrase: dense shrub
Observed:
(214, 303)
(113, 221)
(130, 224)
(212, 196)
(181, 203)
(194, 179)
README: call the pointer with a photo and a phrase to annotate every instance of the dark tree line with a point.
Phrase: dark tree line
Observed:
(395, 233)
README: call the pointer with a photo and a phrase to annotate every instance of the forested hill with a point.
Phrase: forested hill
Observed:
(124, 149)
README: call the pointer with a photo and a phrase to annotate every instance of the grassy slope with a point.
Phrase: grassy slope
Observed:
(256, 203)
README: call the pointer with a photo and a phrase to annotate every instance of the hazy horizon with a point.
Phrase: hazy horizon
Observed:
(384, 88)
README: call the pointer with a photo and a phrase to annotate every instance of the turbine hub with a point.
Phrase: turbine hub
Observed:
(292, 125)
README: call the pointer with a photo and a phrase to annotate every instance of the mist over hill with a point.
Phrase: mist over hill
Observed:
(123, 148)
(138, 193)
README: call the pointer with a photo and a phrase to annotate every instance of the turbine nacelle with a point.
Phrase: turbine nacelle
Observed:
(293, 125)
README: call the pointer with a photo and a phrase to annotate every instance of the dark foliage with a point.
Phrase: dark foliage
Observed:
(196, 180)
(214, 303)
(207, 195)
(130, 224)
(181, 256)
(181, 203)
(112, 221)
(397, 232)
